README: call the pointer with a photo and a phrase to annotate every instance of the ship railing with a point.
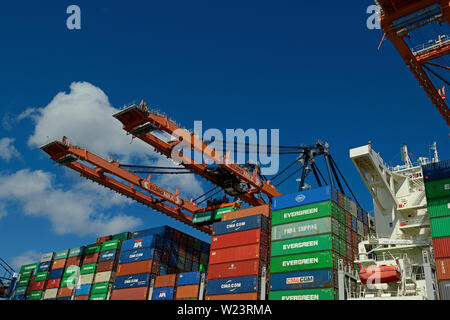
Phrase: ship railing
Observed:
(411, 221)
(377, 236)
(431, 45)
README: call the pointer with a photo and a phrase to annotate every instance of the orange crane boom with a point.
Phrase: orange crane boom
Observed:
(397, 20)
(66, 154)
(139, 122)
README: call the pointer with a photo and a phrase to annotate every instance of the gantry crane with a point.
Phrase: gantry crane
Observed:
(399, 19)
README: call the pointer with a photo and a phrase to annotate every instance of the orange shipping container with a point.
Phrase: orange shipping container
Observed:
(74, 261)
(264, 210)
(59, 264)
(82, 298)
(187, 292)
(127, 269)
(106, 266)
(91, 258)
(236, 296)
(251, 252)
(65, 292)
(130, 294)
(443, 269)
(165, 281)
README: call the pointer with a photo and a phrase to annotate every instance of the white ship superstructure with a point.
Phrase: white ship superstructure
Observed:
(403, 236)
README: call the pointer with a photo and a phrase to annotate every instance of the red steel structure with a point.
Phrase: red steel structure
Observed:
(400, 17)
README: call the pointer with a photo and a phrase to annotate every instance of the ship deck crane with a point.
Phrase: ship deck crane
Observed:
(398, 19)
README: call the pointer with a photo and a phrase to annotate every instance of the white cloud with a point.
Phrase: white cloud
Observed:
(27, 257)
(7, 149)
(78, 210)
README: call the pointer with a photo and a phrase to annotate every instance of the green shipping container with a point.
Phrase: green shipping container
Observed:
(27, 274)
(303, 213)
(62, 254)
(219, 212)
(299, 262)
(439, 208)
(121, 236)
(303, 245)
(88, 268)
(100, 288)
(342, 248)
(41, 276)
(111, 245)
(438, 189)
(69, 282)
(23, 282)
(35, 295)
(301, 229)
(342, 232)
(101, 296)
(28, 267)
(306, 294)
(202, 217)
(93, 248)
(20, 291)
(75, 252)
(440, 227)
(71, 271)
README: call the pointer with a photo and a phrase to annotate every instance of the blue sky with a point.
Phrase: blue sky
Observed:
(311, 70)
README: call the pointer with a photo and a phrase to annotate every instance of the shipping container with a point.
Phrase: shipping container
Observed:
(259, 210)
(83, 290)
(300, 262)
(56, 274)
(65, 292)
(88, 268)
(106, 266)
(122, 236)
(139, 243)
(73, 261)
(104, 276)
(23, 282)
(165, 281)
(92, 248)
(439, 208)
(436, 171)
(71, 271)
(91, 258)
(236, 296)
(40, 276)
(302, 245)
(164, 232)
(163, 293)
(301, 198)
(58, 264)
(85, 297)
(53, 283)
(241, 224)
(68, 282)
(186, 292)
(437, 189)
(20, 291)
(130, 294)
(304, 212)
(311, 279)
(50, 294)
(132, 281)
(36, 295)
(235, 269)
(444, 289)
(29, 267)
(111, 245)
(47, 257)
(76, 252)
(440, 227)
(98, 296)
(441, 247)
(443, 269)
(126, 269)
(302, 229)
(137, 255)
(234, 254)
(103, 239)
(61, 254)
(38, 285)
(100, 288)
(306, 294)
(188, 278)
(107, 255)
(87, 278)
(241, 238)
(232, 285)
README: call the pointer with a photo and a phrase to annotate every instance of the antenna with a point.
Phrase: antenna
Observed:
(436, 156)
(405, 156)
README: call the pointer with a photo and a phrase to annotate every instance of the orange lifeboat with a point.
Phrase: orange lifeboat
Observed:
(380, 274)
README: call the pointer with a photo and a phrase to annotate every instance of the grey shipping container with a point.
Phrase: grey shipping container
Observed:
(444, 287)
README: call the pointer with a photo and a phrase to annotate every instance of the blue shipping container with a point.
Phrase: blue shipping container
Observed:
(133, 281)
(137, 255)
(65, 298)
(205, 247)
(241, 224)
(44, 266)
(436, 171)
(354, 224)
(56, 274)
(301, 280)
(83, 290)
(301, 198)
(163, 293)
(365, 218)
(107, 255)
(232, 285)
(164, 232)
(139, 243)
(163, 269)
(188, 278)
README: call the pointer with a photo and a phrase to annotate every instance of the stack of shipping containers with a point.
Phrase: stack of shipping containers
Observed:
(188, 286)
(239, 255)
(25, 281)
(54, 280)
(87, 271)
(164, 288)
(437, 189)
(40, 278)
(311, 231)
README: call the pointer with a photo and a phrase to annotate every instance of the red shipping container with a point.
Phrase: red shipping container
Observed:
(74, 261)
(441, 247)
(39, 285)
(58, 264)
(341, 200)
(165, 281)
(443, 269)
(238, 239)
(65, 292)
(251, 252)
(91, 258)
(127, 269)
(348, 236)
(103, 239)
(235, 269)
(140, 293)
(82, 298)
(235, 296)
(349, 252)
(106, 266)
(264, 210)
(53, 283)
(187, 292)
